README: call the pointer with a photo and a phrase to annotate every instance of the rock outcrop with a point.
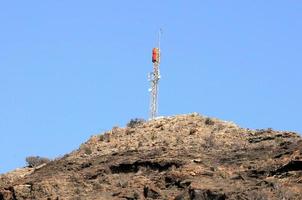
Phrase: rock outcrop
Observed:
(182, 157)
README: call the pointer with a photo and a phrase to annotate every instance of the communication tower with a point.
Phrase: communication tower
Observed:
(154, 78)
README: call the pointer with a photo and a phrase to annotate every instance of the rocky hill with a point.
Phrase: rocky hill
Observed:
(181, 157)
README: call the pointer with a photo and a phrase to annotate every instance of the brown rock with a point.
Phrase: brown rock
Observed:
(183, 157)
(22, 191)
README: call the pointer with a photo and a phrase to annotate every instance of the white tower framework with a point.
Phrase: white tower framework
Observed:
(154, 78)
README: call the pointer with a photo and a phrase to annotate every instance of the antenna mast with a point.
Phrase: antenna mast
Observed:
(154, 79)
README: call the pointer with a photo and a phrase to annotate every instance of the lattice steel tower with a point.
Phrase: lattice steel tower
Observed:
(154, 79)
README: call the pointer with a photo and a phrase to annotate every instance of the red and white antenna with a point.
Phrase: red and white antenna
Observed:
(154, 79)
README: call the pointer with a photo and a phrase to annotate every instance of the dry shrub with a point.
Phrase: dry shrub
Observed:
(87, 150)
(129, 131)
(257, 195)
(209, 141)
(101, 137)
(34, 161)
(115, 130)
(135, 122)
(284, 192)
(209, 121)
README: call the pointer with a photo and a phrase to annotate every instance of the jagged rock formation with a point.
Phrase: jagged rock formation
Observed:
(183, 157)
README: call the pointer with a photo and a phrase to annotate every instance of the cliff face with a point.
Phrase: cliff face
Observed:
(181, 157)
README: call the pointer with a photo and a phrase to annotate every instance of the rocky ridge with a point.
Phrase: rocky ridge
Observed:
(182, 157)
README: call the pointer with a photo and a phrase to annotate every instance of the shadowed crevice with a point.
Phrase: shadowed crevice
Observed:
(134, 167)
(294, 165)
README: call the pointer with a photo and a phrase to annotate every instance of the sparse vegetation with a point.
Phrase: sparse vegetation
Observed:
(209, 121)
(153, 137)
(135, 122)
(107, 137)
(115, 130)
(187, 156)
(257, 195)
(285, 194)
(209, 141)
(101, 137)
(179, 140)
(140, 144)
(129, 131)
(34, 161)
(87, 150)
(192, 131)
(270, 130)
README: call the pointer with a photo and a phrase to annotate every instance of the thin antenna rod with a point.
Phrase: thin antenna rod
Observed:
(160, 32)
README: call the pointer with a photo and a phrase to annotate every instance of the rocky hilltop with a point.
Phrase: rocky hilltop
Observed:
(182, 157)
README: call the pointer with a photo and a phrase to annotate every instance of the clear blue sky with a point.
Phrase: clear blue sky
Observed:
(71, 69)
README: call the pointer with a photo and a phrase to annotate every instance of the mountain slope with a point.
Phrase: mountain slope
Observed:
(181, 157)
